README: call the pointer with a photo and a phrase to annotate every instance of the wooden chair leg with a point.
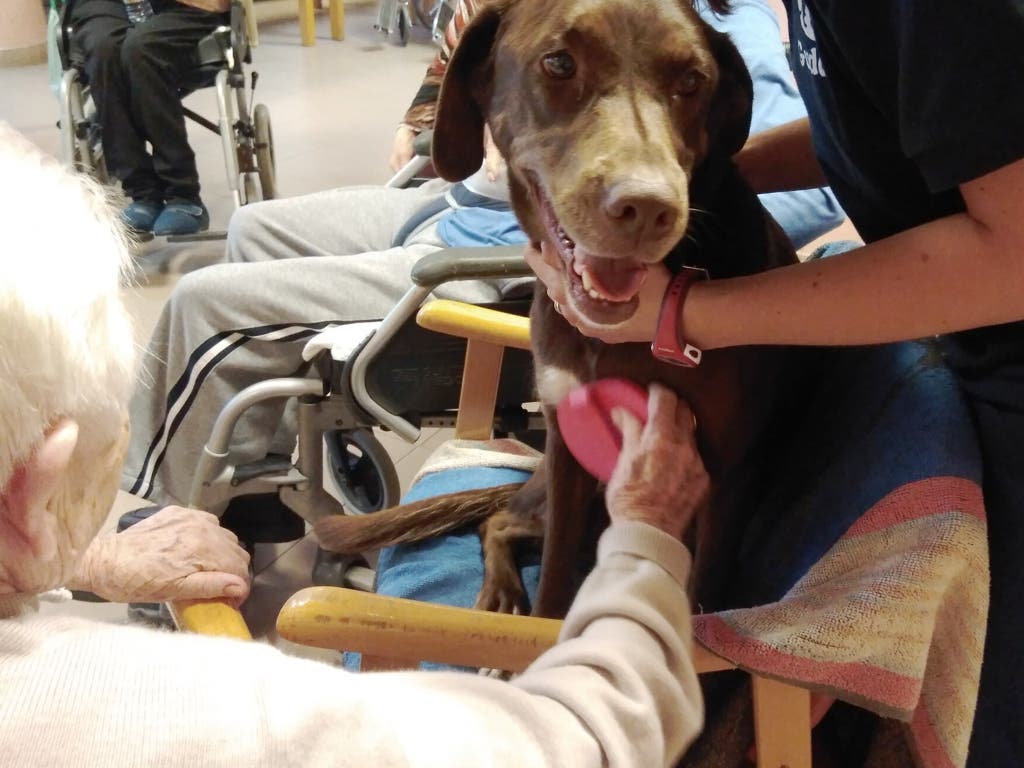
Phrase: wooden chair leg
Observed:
(782, 724)
(338, 19)
(307, 22)
(250, 24)
(475, 420)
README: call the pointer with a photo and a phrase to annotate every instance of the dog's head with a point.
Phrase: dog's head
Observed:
(603, 109)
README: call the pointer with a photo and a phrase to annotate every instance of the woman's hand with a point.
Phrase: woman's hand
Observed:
(659, 478)
(401, 148)
(176, 554)
(493, 161)
(547, 264)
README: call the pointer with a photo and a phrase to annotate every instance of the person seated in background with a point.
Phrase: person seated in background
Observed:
(135, 70)
(619, 688)
(227, 326)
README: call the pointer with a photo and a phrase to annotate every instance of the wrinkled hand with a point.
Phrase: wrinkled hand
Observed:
(547, 264)
(493, 161)
(176, 554)
(659, 478)
(401, 148)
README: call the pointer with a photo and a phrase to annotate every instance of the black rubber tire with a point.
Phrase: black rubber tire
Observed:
(251, 188)
(266, 163)
(363, 471)
(424, 15)
(403, 27)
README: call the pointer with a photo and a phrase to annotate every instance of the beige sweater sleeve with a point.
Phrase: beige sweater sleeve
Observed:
(620, 690)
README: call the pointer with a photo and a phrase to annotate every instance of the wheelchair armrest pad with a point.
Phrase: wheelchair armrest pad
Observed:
(209, 617)
(342, 340)
(469, 321)
(470, 264)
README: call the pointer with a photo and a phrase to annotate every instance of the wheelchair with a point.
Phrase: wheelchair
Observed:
(221, 58)
(402, 373)
(400, 15)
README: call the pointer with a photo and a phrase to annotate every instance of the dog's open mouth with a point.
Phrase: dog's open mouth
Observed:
(602, 287)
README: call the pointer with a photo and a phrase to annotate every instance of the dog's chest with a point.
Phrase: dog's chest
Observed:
(572, 360)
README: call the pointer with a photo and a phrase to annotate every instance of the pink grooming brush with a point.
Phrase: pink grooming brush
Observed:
(584, 419)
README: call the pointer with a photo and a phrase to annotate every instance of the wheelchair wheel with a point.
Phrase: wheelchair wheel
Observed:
(403, 26)
(424, 11)
(265, 162)
(363, 471)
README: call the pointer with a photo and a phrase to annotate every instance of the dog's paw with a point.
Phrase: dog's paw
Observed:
(507, 597)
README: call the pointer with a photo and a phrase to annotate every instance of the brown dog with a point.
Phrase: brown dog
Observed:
(618, 121)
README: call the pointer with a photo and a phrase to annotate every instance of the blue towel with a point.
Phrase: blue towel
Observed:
(448, 569)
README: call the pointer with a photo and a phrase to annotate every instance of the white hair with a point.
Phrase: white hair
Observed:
(66, 343)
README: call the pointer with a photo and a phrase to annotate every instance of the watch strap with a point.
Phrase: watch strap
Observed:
(667, 344)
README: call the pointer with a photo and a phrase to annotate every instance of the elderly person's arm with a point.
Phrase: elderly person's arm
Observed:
(631, 621)
(619, 689)
(175, 554)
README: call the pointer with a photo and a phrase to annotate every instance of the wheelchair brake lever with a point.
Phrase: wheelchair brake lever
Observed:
(252, 90)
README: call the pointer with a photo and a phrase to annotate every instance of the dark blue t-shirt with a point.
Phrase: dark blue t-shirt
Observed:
(907, 100)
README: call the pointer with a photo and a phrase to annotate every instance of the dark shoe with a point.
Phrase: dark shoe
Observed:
(182, 217)
(141, 215)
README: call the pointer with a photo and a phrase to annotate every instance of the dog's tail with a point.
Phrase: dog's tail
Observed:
(411, 522)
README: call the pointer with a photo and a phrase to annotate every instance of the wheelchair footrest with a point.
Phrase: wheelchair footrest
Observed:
(210, 234)
(262, 518)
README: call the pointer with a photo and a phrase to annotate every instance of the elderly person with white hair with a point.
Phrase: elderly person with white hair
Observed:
(619, 689)
(66, 367)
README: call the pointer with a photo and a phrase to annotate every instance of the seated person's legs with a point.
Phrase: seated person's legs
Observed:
(100, 27)
(231, 325)
(336, 222)
(135, 73)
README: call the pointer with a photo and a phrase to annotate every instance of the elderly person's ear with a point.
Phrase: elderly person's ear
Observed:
(29, 529)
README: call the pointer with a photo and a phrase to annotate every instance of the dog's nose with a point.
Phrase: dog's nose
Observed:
(642, 209)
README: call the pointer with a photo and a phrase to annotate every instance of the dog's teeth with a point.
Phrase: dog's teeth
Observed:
(588, 284)
(595, 295)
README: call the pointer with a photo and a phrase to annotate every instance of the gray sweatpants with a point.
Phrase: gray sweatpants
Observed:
(294, 266)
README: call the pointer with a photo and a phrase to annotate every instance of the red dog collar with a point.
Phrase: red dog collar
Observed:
(667, 345)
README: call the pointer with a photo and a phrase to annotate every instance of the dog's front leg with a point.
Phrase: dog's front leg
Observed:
(500, 536)
(570, 490)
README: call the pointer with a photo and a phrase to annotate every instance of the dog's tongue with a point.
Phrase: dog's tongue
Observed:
(615, 279)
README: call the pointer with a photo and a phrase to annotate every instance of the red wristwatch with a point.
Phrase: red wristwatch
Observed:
(667, 345)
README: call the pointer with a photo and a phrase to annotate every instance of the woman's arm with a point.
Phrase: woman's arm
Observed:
(781, 159)
(958, 272)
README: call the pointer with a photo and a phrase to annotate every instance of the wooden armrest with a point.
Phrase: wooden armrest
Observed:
(346, 619)
(209, 617)
(475, 323)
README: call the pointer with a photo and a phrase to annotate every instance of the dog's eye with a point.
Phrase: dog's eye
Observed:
(689, 83)
(559, 65)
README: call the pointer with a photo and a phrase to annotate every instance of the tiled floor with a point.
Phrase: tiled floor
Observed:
(334, 107)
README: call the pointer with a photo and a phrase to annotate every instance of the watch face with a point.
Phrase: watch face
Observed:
(689, 357)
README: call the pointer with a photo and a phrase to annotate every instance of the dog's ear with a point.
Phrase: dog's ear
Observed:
(729, 117)
(458, 143)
